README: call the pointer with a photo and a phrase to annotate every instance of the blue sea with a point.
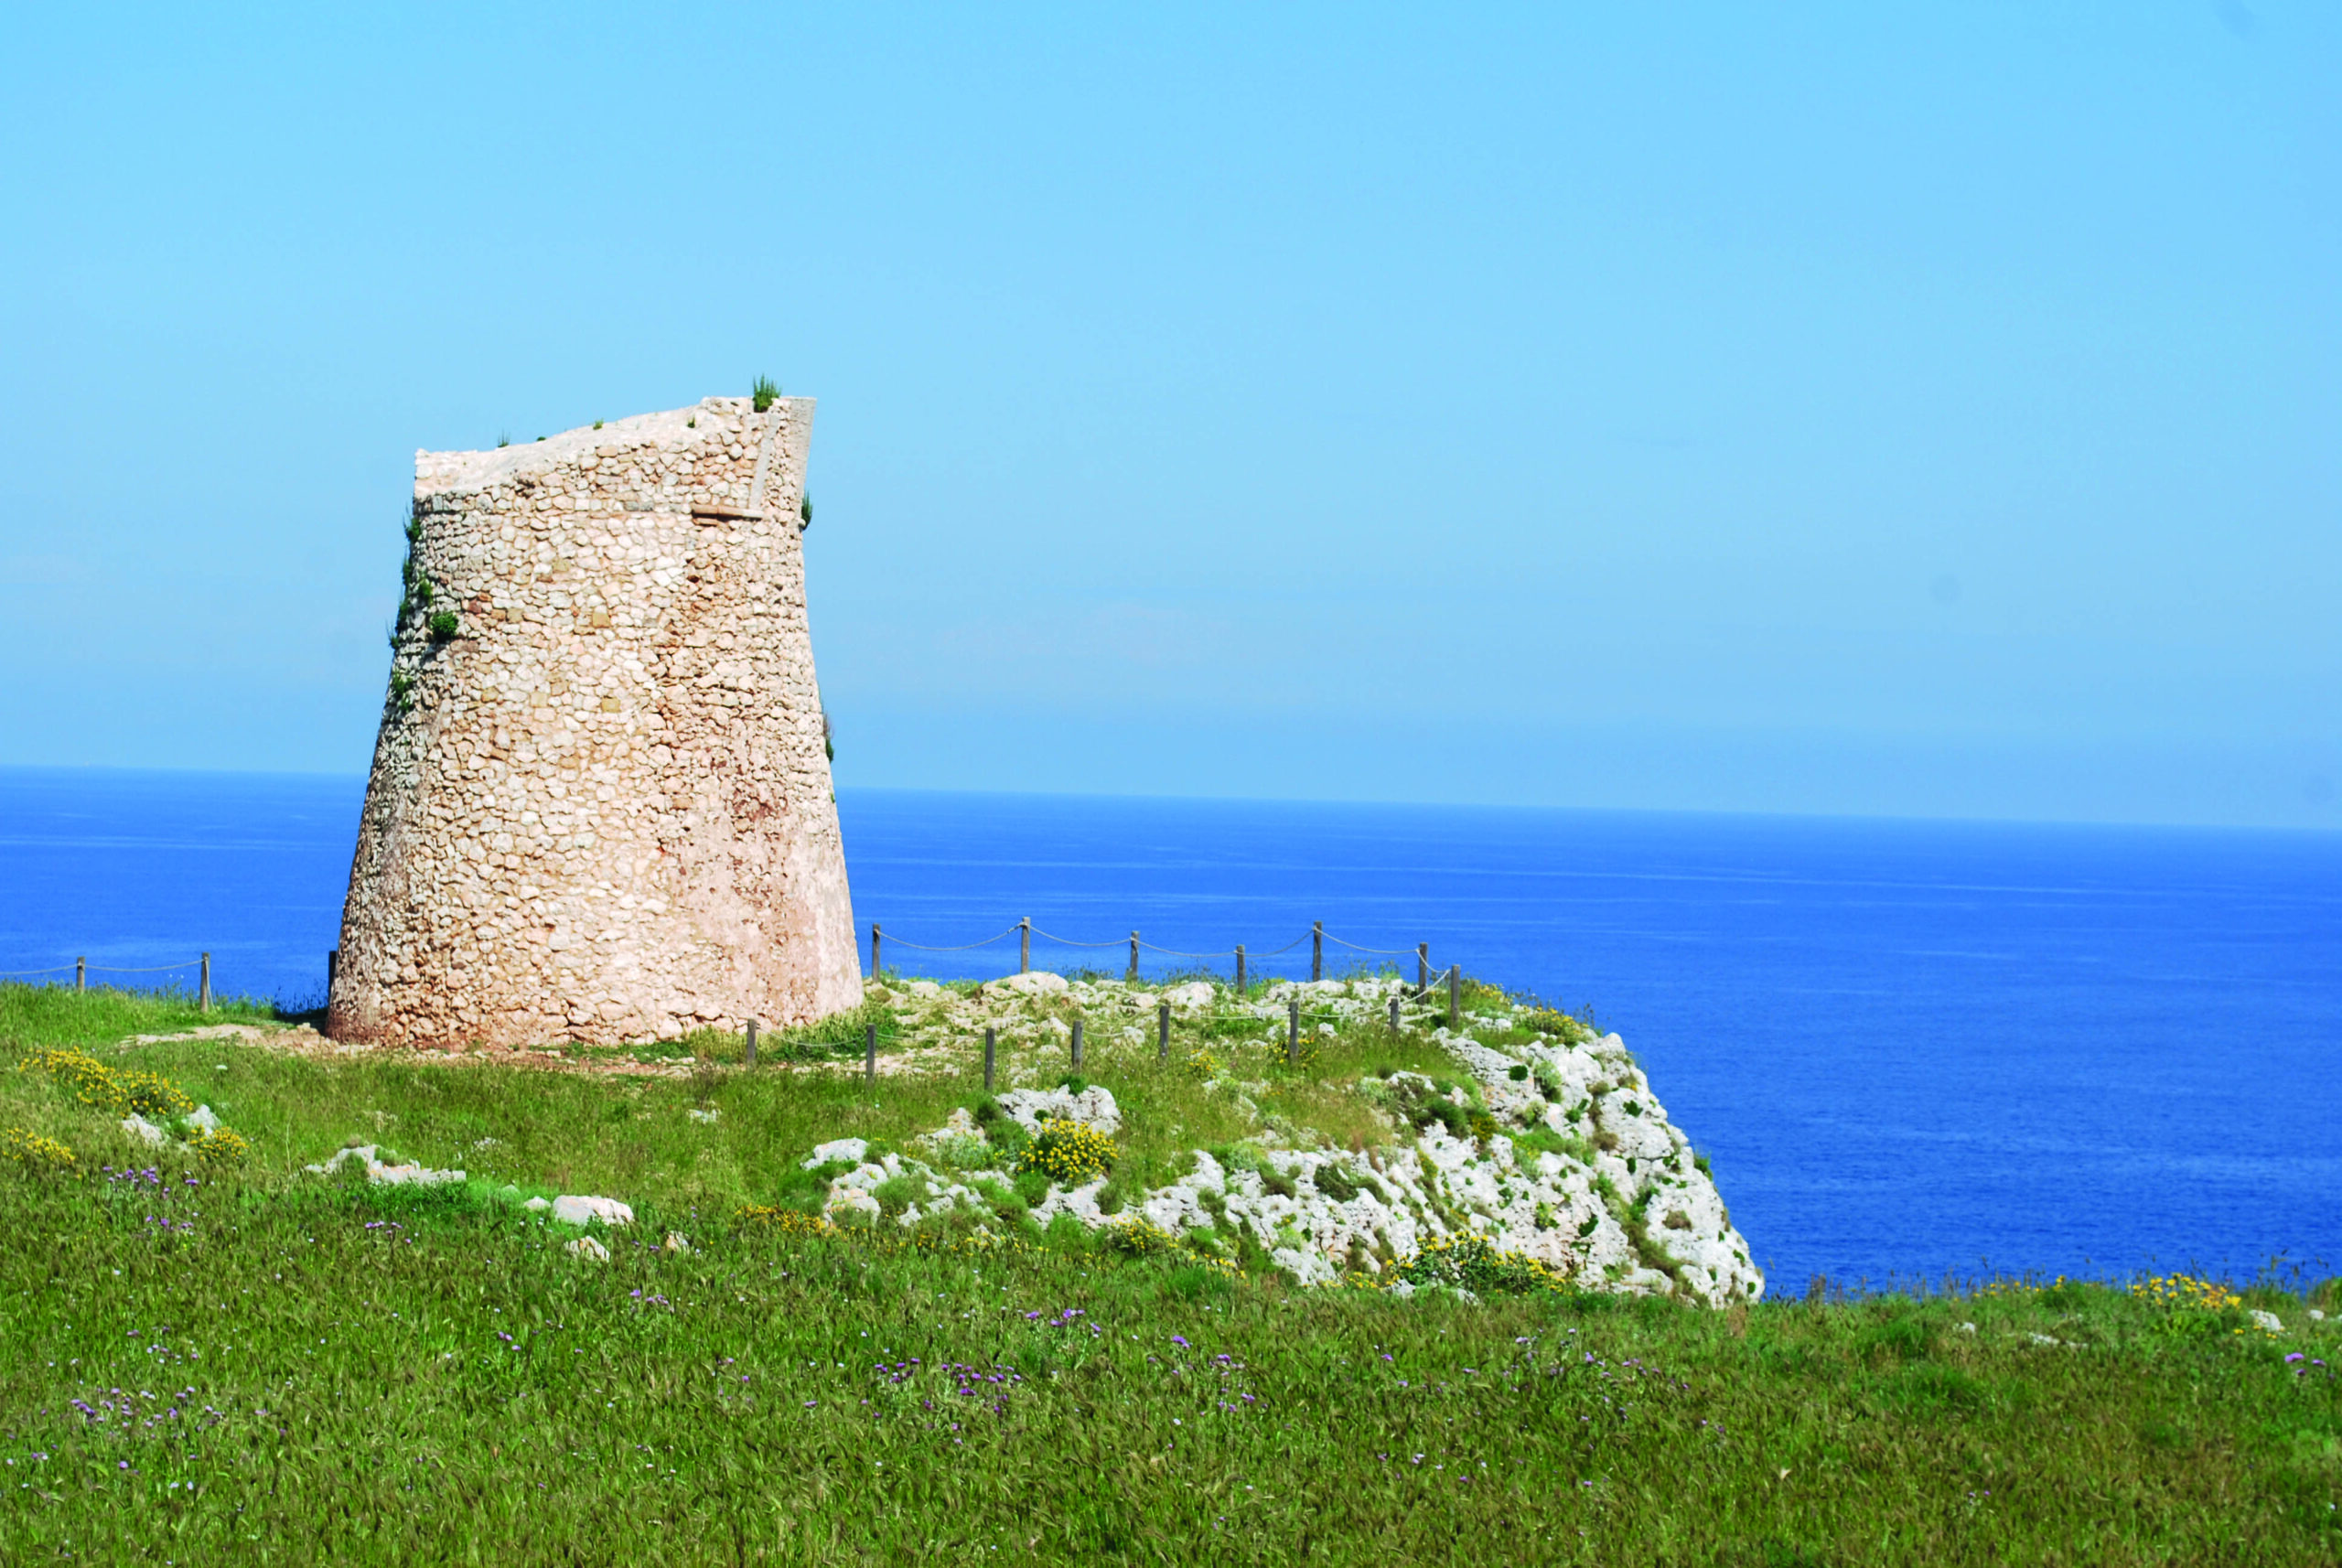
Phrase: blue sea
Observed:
(1912, 1049)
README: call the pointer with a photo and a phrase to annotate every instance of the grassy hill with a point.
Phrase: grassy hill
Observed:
(223, 1359)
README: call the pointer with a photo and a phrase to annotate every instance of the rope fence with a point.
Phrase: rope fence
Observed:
(960, 946)
(82, 969)
(1025, 930)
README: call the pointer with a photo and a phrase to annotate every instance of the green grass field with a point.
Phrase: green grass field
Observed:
(206, 1362)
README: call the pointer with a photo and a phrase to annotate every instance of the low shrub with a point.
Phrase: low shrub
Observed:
(789, 1221)
(1145, 1239)
(1069, 1151)
(220, 1146)
(898, 1193)
(963, 1153)
(1475, 1263)
(1552, 1021)
(2184, 1293)
(34, 1152)
(808, 1191)
(1335, 1182)
(1141, 1238)
(89, 1080)
(1002, 1200)
(152, 1095)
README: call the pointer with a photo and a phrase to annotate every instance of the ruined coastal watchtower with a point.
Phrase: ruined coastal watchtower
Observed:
(600, 807)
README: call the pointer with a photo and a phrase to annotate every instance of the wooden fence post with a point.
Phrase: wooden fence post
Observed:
(203, 992)
(1318, 949)
(1291, 1030)
(1455, 992)
(1239, 971)
(1395, 1012)
(752, 1043)
(1025, 945)
(870, 1054)
(1077, 1045)
(1134, 958)
(989, 1037)
(80, 974)
(1423, 969)
(1162, 1032)
(874, 938)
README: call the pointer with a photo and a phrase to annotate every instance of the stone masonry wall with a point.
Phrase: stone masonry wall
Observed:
(601, 811)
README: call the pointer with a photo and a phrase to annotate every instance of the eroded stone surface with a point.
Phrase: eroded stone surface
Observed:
(1033, 983)
(1573, 1162)
(602, 811)
(837, 1149)
(1093, 1106)
(577, 1210)
(410, 1173)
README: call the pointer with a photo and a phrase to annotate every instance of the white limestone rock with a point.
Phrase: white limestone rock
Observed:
(369, 1157)
(568, 1210)
(413, 1174)
(585, 1246)
(1093, 1106)
(1553, 1163)
(1032, 982)
(144, 1131)
(361, 1154)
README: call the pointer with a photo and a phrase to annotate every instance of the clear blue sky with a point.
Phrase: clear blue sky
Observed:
(1874, 408)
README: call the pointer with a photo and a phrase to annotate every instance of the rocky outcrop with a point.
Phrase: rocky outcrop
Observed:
(1549, 1145)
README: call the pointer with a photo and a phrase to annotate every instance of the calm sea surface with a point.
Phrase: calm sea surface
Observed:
(1910, 1046)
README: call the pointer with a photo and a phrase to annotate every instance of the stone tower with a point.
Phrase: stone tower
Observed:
(600, 808)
